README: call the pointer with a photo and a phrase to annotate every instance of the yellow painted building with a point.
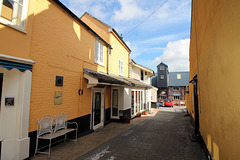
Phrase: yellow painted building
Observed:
(51, 62)
(33, 54)
(119, 52)
(214, 67)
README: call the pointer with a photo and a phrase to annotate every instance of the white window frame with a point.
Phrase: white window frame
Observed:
(120, 67)
(161, 76)
(145, 76)
(99, 53)
(13, 22)
(161, 68)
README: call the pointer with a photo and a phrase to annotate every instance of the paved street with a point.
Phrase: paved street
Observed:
(164, 136)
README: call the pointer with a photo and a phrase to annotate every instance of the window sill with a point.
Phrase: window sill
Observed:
(99, 63)
(7, 23)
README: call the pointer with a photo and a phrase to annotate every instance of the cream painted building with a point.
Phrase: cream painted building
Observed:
(141, 97)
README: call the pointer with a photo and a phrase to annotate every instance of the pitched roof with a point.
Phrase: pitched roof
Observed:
(113, 30)
(178, 78)
(141, 66)
(163, 64)
(71, 14)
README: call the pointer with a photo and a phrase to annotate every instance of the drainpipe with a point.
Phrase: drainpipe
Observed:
(108, 59)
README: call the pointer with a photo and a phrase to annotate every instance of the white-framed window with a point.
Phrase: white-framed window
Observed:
(120, 66)
(13, 13)
(176, 97)
(161, 67)
(99, 58)
(162, 76)
(145, 76)
(176, 88)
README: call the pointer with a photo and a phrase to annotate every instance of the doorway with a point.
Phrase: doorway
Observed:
(98, 108)
(196, 110)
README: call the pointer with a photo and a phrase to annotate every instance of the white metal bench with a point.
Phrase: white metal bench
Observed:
(53, 127)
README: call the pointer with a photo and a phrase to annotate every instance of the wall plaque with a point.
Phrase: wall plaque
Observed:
(58, 98)
(9, 101)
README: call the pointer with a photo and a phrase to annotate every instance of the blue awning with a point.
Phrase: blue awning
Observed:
(20, 66)
(176, 94)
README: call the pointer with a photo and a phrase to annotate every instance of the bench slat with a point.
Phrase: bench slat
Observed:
(57, 134)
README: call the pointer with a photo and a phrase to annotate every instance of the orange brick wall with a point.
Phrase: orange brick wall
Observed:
(60, 47)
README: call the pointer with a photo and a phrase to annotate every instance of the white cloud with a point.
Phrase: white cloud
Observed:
(159, 39)
(129, 10)
(96, 8)
(176, 56)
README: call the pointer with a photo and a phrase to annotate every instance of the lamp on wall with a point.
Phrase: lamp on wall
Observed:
(80, 91)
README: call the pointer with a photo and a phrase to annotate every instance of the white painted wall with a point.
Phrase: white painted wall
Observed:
(14, 120)
(127, 98)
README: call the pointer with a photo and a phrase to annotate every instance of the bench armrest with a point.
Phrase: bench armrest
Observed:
(72, 123)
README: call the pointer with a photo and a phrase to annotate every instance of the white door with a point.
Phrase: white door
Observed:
(98, 108)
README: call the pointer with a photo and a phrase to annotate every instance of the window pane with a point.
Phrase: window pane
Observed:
(7, 9)
(141, 74)
(101, 52)
(132, 102)
(115, 103)
(96, 50)
(19, 15)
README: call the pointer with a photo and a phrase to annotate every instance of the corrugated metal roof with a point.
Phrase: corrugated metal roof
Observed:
(178, 78)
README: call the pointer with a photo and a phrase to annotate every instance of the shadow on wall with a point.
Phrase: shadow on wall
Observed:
(60, 47)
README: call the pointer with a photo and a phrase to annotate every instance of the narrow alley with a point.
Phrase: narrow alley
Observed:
(164, 136)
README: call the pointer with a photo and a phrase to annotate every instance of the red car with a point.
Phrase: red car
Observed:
(168, 102)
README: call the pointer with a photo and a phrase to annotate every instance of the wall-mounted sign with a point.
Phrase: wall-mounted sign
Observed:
(9, 101)
(59, 81)
(58, 98)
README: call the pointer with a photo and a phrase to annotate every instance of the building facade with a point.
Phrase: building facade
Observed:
(141, 97)
(59, 64)
(178, 85)
(171, 85)
(213, 100)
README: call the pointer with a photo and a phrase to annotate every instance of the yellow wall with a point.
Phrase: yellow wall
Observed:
(14, 42)
(100, 28)
(214, 57)
(60, 46)
(119, 51)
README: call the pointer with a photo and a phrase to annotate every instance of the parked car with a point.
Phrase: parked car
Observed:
(168, 102)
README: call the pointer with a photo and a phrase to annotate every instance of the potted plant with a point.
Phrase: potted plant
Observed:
(144, 112)
(139, 114)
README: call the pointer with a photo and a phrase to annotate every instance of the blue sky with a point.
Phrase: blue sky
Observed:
(163, 37)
